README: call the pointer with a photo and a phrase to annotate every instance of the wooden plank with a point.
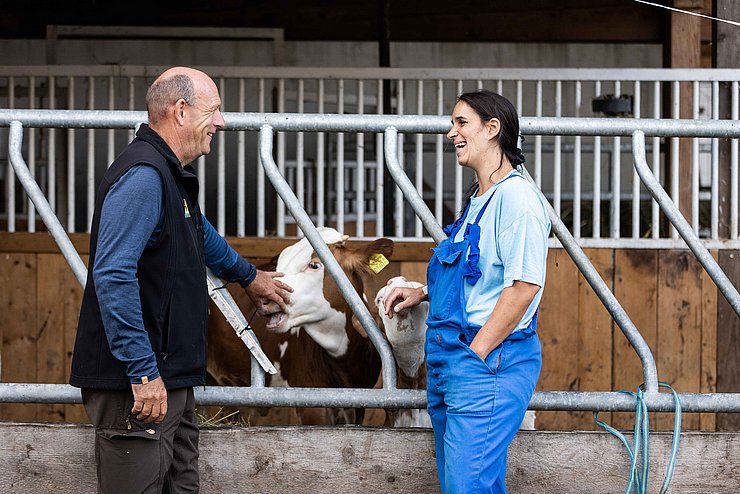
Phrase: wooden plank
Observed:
(267, 247)
(249, 247)
(58, 458)
(679, 328)
(415, 271)
(72, 296)
(557, 328)
(51, 360)
(40, 242)
(728, 341)
(594, 335)
(684, 50)
(709, 294)
(18, 320)
(636, 288)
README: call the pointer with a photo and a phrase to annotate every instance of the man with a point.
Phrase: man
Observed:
(141, 338)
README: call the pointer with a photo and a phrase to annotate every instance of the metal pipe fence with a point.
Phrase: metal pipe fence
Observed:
(388, 397)
(336, 174)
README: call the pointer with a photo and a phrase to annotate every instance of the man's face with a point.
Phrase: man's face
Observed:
(203, 119)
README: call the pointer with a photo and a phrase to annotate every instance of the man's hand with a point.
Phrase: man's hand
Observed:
(265, 288)
(150, 401)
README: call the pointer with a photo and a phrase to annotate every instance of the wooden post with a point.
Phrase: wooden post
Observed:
(683, 51)
(726, 54)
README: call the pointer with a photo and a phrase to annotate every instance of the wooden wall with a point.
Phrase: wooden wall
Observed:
(307, 460)
(665, 292)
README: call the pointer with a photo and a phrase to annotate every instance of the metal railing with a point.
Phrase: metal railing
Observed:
(389, 397)
(589, 183)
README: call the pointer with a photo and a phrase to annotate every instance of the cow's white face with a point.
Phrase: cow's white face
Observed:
(308, 308)
(407, 330)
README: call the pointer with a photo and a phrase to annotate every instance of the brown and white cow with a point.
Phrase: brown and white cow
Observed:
(405, 333)
(316, 342)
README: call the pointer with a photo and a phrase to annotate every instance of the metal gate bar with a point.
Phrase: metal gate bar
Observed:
(387, 398)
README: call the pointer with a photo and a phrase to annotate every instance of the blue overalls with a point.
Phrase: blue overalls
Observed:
(476, 406)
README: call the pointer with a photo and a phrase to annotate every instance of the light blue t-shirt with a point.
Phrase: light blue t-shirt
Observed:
(513, 245)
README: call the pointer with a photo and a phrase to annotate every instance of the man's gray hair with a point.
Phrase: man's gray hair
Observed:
(164, 93)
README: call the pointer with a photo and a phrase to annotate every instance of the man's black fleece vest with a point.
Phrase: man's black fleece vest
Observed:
(171, 274)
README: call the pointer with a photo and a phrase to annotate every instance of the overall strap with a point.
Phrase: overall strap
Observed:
(471, 271)
(452, 229)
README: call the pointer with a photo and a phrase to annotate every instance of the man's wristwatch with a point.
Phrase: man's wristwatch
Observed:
(144, 380)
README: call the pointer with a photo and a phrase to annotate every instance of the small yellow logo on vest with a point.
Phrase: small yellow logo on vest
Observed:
(187, 211)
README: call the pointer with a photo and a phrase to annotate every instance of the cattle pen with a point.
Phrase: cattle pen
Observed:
(380, 460)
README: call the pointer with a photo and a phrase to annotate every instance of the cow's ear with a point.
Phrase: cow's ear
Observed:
(270, 265)
(358, 326)
(381, 246)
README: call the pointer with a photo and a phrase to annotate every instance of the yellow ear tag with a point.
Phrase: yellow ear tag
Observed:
(378, 262)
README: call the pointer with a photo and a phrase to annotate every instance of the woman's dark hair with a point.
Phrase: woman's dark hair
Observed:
(488, 105)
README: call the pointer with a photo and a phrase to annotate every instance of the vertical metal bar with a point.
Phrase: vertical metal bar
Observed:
(715, 164)
(71, 162)
(320, 164)
(615, 205)
(360, 168)
(675, 113)
(635, 176)
(300, 185)
(241, 165)
(111, 132)
(340, 160)
(131, 102)
(260, 168)
(407, 188)
(577, 168)
(538, 139)
(398, 214)
(10, 185)
(300, 153)
(695, 161)
(500, 87)
(52, 155)
(281, 158)
(90, 156)
(557, 157)
(439, 159)
(458, 168)
(202, 184)
(419, 171)
(596, 208)
(479, 84)
(734, 167)
(654, 206)
(31, 153)
(379, 167)
(519, 97)
(221, 179)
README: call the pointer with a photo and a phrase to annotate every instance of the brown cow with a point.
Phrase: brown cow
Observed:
(317, 342)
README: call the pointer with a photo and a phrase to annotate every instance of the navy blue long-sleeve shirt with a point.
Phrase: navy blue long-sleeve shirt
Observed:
(132, 219)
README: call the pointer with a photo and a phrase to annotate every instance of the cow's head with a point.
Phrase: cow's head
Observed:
(407, 330)
(316, 305)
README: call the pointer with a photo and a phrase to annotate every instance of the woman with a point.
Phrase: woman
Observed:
(484, 286)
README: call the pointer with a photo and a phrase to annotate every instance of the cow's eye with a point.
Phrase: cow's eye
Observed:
(314, 265)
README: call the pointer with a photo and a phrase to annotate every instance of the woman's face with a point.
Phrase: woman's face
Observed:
(469, 134)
